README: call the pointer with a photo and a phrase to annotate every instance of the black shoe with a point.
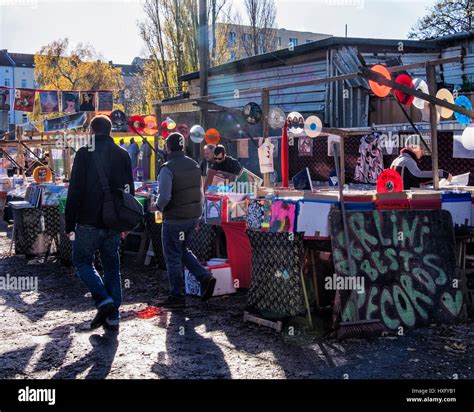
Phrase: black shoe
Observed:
(102, 313)
(207, 288)
(111, 328)
(174, 302)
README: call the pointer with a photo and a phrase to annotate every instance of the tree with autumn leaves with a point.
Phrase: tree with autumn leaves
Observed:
(59, 67)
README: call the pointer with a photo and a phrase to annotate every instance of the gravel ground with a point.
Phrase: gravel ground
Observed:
(45, 334)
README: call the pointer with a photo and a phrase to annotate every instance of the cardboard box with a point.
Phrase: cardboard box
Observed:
(224, 281)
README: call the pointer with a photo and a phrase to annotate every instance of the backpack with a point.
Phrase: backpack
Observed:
(121, 211)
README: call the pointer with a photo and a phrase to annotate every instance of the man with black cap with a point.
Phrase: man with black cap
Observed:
(180, 201)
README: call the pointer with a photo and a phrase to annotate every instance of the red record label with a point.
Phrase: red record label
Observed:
(389, 181)
(136, 124)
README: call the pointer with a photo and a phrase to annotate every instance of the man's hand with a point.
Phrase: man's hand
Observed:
(124, 235)
(450, 177)
(72, 236)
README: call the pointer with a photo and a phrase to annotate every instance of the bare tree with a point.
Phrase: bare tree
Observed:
(445, 17)
(259, 36)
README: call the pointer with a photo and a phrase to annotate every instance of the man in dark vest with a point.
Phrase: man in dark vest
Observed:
(180, 201)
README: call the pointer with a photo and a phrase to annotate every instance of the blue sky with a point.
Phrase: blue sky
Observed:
(110, 25)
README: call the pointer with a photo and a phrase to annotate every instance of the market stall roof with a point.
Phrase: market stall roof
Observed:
(364, 44)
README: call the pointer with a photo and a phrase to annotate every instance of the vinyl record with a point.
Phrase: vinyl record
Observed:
(183, 129)
(379, 89)
(170, 123)
(164, 129)
(197, 133)
(445, 94)
(118, 118)
(151, 125)
(422, 86)
(389, 181)
(407, 81)
(463, 101)
(212, 136)
(136, 124)
(295, 122)
(276, 118)
(313, 126)
(252, 113)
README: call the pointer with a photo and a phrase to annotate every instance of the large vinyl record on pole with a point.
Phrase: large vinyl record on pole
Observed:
(446, 95)
(378, 89)
(421, 86)
(404, 98)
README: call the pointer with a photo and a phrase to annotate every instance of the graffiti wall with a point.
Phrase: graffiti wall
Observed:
(405, 261)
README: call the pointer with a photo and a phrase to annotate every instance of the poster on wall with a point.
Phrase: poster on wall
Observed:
(459, 150)
(4, 99)
(305, 146)
(88, 102)
(49, 102)
(70, 102)
(24, 100)
(72, 121)
(106, 101)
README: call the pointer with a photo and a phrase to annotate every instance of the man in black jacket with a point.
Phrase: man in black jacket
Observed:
(225, 163)
(84, 222)
(180, 201)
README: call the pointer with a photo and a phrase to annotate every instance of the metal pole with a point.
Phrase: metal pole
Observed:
(265, 110)
(431, 76)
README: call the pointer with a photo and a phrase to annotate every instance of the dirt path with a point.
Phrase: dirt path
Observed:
(45, 334)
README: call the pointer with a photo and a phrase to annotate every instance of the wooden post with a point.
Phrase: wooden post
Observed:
(158, 115)
(431, 76)
(265, 110)
(203, 53)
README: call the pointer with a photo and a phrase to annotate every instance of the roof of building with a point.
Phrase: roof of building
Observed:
(330, 42)
(28, 60)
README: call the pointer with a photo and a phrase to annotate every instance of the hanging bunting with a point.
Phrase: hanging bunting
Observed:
(88, 101)
(49, 102)
(70, 102)
(4, 99)
(106, 101)
(24, 100)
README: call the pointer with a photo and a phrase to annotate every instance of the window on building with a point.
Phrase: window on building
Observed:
(232, 56)
(261, 43)
(247, 38)
(293, 42)
(7, 82)
(23, 83)
(278, 41)
(308, 41)
(24, 118)
(231, 37)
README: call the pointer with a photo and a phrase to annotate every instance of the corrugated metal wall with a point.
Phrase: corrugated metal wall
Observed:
(303, 99)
